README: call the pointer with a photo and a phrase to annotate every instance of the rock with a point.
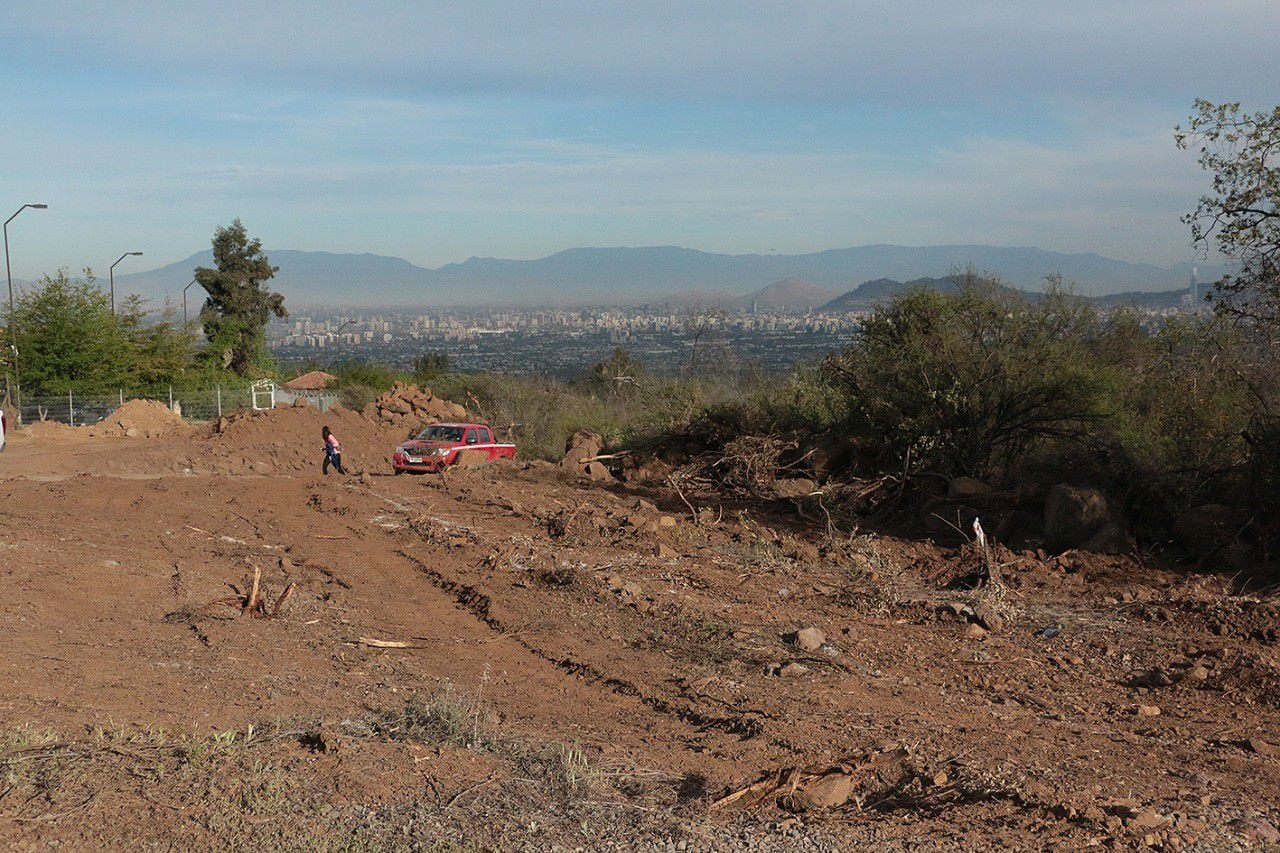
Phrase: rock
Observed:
(1075, 514)
(1261, 747)
(1256, 829)
(1148, 711)
(666, 521)
(581, 446)
(1195, 674)
(1147, 819)
(793, 670)
(793, 487)
(1206, 528)
(808, 639)
(471, 459)
(1111, 539)
(965, 488)
(598, 472)
(1237, 557)
(987, 617)
(662, 552)
(825, 793)
(1153, 678)
(975, 631)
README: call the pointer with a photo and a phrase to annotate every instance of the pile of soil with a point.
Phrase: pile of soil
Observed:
(47, 429)
(289, 439)
(140, 419)
(408, 404)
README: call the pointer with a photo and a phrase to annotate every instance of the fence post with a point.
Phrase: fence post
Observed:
(170, 398)
(71, 408)
(121, 390)
(219, 401)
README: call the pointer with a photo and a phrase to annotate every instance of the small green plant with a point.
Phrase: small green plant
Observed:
(447, 716)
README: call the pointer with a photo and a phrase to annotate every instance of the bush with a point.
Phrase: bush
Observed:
(970, 381)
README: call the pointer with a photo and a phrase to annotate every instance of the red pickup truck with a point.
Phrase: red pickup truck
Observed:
(438, 446)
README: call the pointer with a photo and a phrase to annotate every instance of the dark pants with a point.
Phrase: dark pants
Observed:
(334, 459)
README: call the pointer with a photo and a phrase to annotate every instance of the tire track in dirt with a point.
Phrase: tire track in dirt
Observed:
(481, 606)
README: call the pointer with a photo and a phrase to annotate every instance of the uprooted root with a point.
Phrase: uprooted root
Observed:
(254, 602)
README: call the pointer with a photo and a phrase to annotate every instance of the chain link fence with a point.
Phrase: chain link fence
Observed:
(196, 405)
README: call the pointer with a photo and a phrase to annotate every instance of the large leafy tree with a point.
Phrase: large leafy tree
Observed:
(1241, 216)
(67, 337)
(239, 304)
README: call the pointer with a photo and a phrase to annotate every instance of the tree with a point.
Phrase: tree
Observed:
(160, 350)
(616, 374)
(236, 312)
(67, 337)
(428, 366)
(1241, 216)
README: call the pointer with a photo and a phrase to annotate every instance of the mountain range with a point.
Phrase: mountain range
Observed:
(654, 274)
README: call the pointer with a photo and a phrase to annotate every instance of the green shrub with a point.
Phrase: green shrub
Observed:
(970, 381)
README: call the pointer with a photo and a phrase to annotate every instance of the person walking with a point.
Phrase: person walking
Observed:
(332, 452)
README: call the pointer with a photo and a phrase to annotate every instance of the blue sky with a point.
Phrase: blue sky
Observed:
(437, 131)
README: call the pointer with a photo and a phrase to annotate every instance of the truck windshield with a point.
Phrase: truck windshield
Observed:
(441, 433)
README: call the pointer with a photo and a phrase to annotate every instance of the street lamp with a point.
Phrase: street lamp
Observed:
(112, 273)
(13, 334)
(184, 305)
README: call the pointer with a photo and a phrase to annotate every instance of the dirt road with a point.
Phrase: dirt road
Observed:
(576, 666)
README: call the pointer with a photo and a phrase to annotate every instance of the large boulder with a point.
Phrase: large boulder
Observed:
(1075, 515)
(1206, 528)
(967, 488)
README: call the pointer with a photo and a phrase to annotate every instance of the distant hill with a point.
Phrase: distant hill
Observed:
(790, 293)
(871, 293)
(638, 275)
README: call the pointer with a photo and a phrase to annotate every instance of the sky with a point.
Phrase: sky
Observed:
(439, 131)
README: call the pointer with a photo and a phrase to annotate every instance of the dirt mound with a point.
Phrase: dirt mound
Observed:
(288, 439)
(140, 419)
(408, 404)
(48, 429)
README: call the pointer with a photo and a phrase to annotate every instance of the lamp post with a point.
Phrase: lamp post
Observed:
(13, 334)
(112, 273)
(184, 305)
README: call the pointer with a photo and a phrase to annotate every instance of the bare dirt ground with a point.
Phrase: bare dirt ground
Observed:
(515, 658)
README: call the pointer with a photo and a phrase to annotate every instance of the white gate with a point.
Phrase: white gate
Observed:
(264, 394)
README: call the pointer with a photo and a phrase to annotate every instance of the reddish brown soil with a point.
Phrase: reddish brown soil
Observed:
(582, 620)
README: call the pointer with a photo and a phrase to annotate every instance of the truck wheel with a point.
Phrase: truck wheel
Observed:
(398, 471)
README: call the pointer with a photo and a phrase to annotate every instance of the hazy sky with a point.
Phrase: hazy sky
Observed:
(437, 131)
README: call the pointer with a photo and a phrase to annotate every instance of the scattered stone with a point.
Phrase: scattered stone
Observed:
(1261, 747)
(666, 521)
(808, 639)
(793, 670)
(1147, 819)
(1256, 829)
(825, 793)
(1196, 673)
(1148, 711)
(1154, 678)
(987, 617)
(975, 631)
(663, 552)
